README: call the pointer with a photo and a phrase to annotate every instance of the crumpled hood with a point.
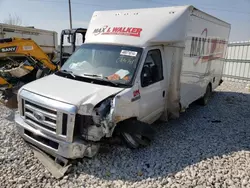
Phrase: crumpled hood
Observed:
(70, 91)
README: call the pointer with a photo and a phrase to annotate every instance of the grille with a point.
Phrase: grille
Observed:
(38, 116)
(54, 118)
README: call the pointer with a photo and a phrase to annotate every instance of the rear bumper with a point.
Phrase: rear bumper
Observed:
(54, 146)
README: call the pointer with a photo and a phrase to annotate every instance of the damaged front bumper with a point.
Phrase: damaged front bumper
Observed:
(54, 146)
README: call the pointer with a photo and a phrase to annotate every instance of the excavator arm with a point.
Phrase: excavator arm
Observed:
(17, 46)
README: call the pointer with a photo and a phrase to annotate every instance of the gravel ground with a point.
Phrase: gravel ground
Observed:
(206, 147)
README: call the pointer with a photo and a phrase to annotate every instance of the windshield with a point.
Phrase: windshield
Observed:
(112, 62)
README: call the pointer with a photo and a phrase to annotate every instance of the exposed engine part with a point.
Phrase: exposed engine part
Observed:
(104, 108)
(92, 133)
(107, 120)
(135, 133)
(96, 117)
(100, 124)
(89, 130)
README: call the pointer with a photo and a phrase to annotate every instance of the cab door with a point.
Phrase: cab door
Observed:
(152, 86)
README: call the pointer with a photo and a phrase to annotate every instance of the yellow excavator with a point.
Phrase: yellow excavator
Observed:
(23, 61)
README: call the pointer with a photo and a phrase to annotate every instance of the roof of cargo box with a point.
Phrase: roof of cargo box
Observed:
(139, 27)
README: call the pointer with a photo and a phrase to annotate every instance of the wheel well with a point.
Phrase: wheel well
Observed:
(134, 126)
(117, 127)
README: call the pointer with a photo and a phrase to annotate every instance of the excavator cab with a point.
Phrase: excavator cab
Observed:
(71, 35)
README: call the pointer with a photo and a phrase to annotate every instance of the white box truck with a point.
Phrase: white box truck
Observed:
(135, 67)
(46, 39)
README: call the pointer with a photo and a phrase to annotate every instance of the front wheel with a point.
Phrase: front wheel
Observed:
(204, 100)
(135, 141)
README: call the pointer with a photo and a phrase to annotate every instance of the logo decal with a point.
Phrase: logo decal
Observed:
(127, 31)
(8, 49)
(136, 95)
(39, 116)
(206, 48)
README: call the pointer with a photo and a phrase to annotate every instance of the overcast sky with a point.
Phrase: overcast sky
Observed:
(53, 14)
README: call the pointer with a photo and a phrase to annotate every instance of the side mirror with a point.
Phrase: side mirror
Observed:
(146, 78)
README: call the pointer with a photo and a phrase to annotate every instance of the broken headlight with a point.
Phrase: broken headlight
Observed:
(95, 123)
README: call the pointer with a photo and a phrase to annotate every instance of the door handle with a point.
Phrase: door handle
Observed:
(163, 94)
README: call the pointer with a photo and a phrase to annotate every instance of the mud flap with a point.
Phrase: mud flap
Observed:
(57, 167)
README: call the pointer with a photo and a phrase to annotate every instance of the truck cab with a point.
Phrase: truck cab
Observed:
(100, 85)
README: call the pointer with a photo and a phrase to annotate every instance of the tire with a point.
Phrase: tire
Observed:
(135, 141)
(135, 134)
(204, 100)
(130, 141)
(142, 140)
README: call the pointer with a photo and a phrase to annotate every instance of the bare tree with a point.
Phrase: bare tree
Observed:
(13, 20)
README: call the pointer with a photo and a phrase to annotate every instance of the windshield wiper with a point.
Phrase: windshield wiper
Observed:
(100, 77)
(93, 75)
(68, 72)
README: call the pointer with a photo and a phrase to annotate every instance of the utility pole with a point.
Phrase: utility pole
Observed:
(70, 17)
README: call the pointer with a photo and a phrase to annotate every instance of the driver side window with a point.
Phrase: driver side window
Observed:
(152, 69)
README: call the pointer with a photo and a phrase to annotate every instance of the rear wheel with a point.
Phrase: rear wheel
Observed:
(204, 100)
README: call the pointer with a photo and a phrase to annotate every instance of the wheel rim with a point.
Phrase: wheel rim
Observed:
(130, 140)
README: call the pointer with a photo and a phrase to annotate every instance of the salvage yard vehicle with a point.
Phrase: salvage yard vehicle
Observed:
(71, 35)
(21, 61)
(10, 72)
(126, 75)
